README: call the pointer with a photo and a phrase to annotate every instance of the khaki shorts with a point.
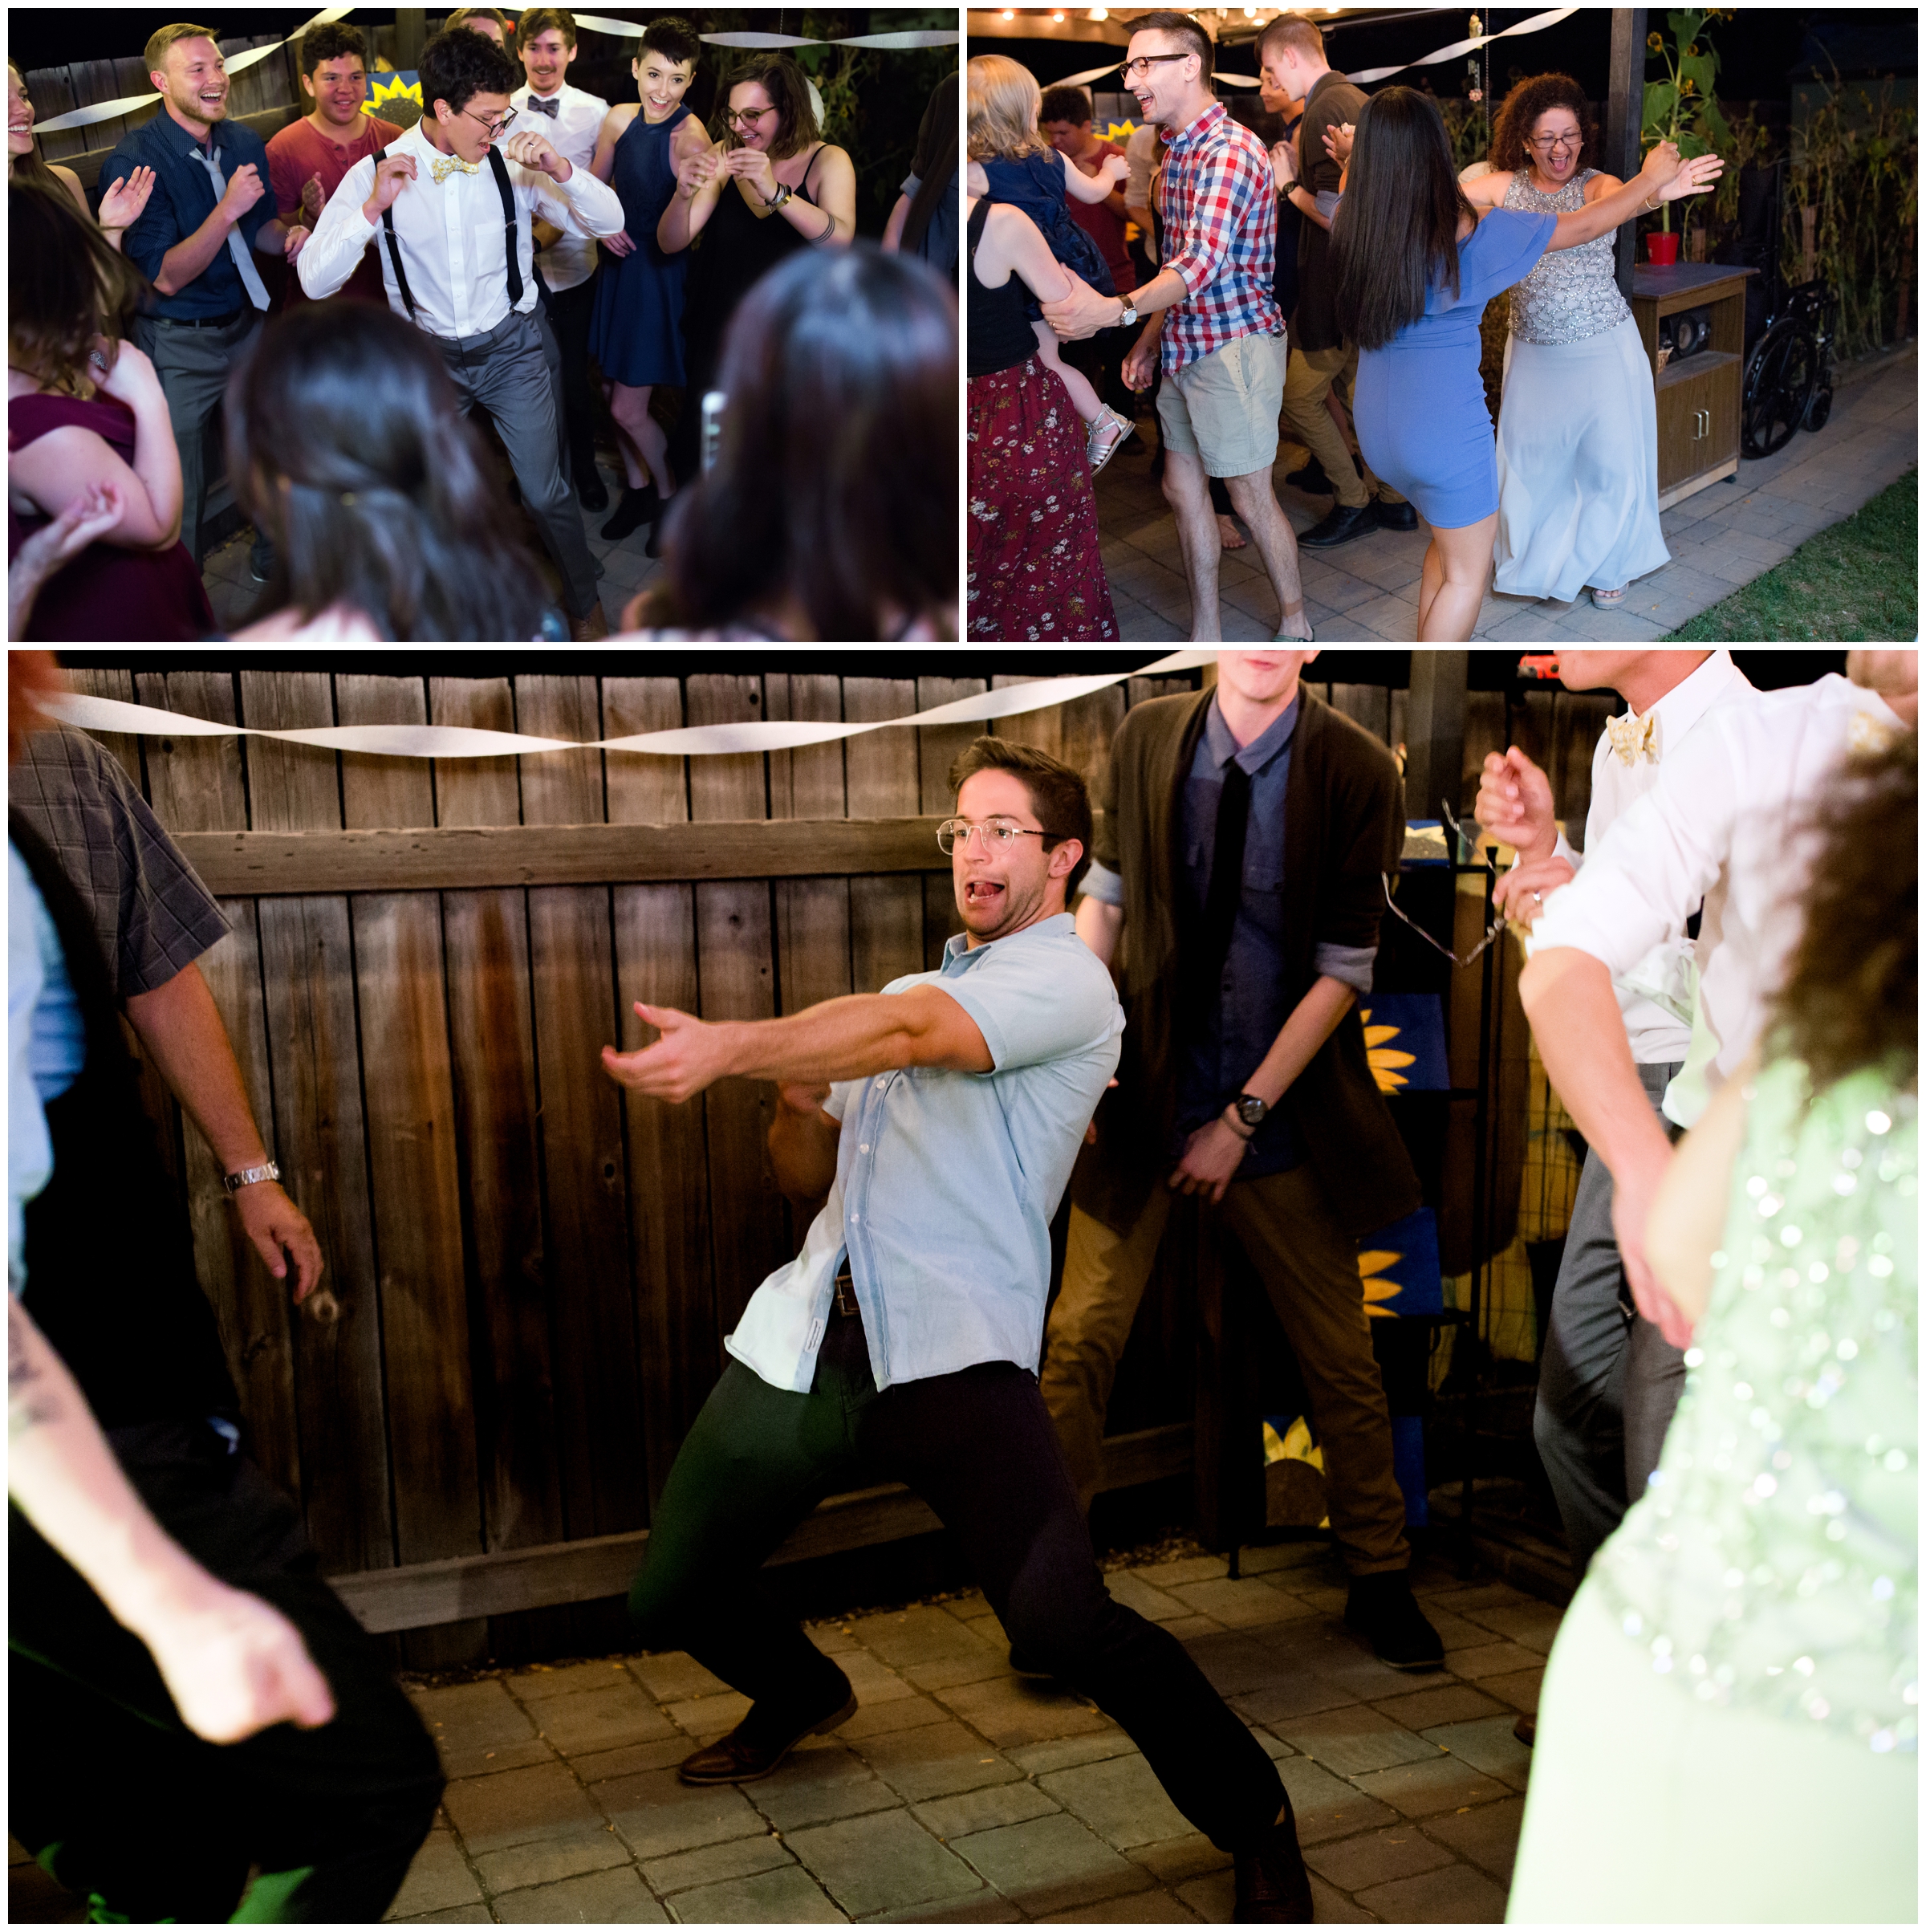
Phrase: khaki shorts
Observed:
(1224, 406)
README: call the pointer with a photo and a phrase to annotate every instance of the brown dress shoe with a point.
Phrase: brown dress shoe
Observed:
(1525, 1730)
(1273, 1887)
(746, 1753)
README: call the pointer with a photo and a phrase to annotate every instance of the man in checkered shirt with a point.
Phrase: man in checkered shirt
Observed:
(1214, 319)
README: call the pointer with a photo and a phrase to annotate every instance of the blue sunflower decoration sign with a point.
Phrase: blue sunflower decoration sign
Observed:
(1399, 1267)
(1404, 1042)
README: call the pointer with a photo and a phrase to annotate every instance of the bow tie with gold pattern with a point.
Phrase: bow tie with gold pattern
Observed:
(449, 163)
(1634, 737)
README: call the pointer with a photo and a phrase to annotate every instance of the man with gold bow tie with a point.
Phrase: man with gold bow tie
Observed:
(453, 220)
(1608, 1381)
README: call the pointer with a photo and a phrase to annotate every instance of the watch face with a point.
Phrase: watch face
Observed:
(1251, 1112)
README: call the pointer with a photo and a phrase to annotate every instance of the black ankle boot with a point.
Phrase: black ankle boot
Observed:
(637, 507)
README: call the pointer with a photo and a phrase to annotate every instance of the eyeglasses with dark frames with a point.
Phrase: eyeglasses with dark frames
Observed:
(1140, 68)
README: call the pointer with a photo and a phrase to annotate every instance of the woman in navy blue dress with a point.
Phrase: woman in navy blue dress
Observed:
(637, 334)
(1416, 263)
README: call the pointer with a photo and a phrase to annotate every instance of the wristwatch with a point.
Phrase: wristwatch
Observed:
(783, 192)
(1129, 314)
(246, 1176)
(1251, 1110)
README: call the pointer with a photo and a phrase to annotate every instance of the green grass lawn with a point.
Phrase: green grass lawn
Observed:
(1856, 583)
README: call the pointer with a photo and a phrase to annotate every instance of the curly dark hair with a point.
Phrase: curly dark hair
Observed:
(333, 40)
(1851, 998)
(1524, 104)
(456, 66)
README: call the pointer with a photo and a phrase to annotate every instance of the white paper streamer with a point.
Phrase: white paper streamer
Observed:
(1536, 24)
(105, 110)
(695, 740)
(929, 36)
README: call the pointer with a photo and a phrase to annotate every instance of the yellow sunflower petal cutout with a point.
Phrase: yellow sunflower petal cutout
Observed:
(1378, 1287)
(1383, 1060)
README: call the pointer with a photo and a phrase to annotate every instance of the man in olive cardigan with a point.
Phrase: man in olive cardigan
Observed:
(1244, 834)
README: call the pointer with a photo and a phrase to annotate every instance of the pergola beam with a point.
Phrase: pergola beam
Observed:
(1624, 114)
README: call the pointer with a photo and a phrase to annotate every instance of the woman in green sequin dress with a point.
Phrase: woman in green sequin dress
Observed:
(1729, 1723)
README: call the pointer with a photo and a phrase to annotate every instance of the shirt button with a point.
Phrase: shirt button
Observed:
(863, 1149)
(855, 1218)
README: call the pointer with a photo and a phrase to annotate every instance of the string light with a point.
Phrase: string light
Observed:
(1099, 13)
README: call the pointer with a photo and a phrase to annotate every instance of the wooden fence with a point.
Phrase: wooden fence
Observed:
(535, 1269)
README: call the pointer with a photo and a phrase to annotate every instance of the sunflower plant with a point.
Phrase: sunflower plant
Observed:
(1683, 107)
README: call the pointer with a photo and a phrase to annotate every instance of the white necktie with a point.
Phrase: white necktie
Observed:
(251, 276)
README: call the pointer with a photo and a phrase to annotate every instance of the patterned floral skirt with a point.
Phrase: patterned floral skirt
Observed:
(1035, 571)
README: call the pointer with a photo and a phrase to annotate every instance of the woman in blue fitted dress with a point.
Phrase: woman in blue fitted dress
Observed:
(1416, 263)
(637, 334)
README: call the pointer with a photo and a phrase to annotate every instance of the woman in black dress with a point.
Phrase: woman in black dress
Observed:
(770, 186)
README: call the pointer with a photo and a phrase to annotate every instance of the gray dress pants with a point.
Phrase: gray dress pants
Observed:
(1608, 1381)
(193, 365)
(506, 371)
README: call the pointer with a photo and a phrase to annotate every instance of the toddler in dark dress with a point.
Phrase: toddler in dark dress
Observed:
(1011, 161)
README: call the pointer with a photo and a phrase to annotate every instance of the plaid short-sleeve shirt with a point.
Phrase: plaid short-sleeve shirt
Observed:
(1218, 207)
(152, 914)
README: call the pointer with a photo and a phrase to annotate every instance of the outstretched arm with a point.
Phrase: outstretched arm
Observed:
(841, 1039)
(1664, 177)
(1101, 186)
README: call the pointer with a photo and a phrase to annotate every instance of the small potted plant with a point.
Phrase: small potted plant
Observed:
(1682, 107)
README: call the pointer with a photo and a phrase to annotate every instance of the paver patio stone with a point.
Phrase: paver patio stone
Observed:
(1520, 1690)
(983, 1810)
(1329, 1906)
(1133, 1593)
(711, 1717)
(883, 1863)
(924, 1633)
(588, 1847)
(1049, 1865)
(1178, 1860)
(1289, 1696)
(1144, 1909)
(813, 1786)
(1534, 1626)
(983, 1908)
(894, 1713)
(1211, 1897)
(1454, 1894)
(602, 1719)
(673, 1676)
(1015, 1710)
(832, 1638)
(455, 1915)
(786, 1896)
(1121, 1800)
(1181, 1569)
(1436, 1784)
(478, 1728)
(1327, 1807)
(872, 1679)
(1236, 1663)
(559, 1680)
(438, 1878)
(1355, 1739)
(592, 1767)
(1448, 1704)
(616, 1897)
(1487, 1835)
(1063, 1752)
(1490, 1659)
(1241, 1603)
(517, 1807)
(936, 1761)
(656, 1813)
(1376, 1857)
(712, 1864)
(1489, 1744)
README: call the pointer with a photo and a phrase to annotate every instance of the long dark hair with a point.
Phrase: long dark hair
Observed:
(936, 163)
(32, 165)
(1523, 105)
(1396, 230)
(64, 286)
(346, 445)
(1851, 998)
(834, 491)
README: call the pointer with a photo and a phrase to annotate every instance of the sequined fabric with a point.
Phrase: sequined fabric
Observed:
(1574, 293)
(1773, 1563)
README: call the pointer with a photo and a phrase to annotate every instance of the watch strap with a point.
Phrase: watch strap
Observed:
(246, 1176)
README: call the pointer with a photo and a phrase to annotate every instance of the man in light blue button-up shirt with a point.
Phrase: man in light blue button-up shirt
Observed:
(938, 1122)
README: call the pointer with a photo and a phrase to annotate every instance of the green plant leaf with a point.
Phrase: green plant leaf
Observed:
(1661, 100)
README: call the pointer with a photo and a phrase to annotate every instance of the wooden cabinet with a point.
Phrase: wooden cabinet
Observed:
(1698, 395)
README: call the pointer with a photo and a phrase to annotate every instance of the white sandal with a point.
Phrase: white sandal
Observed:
(1107, 435)
(1608, 599)
(1289, 616)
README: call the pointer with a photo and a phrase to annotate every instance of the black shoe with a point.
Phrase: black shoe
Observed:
(1383, 1608)
(1395, 516)
(591, 492)
(1273, 1888)
(1311, 479)
(1026, 1665)
(754, 1749)
(637, 507)
(1525, 1730)
(1340, 527)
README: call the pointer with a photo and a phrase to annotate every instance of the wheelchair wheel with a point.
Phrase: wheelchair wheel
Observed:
(1820, 408)
(1781, 375)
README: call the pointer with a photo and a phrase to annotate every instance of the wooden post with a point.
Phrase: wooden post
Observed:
(1435, 731)
(1624, 112)
(410, 30)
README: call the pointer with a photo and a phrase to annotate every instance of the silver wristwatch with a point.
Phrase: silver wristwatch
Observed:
(246, 1176)
(1251, 1110)
(1129, 314)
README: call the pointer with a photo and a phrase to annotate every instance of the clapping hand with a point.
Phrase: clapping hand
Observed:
(90, 516)
(1283, 165)
(752, 164)
(697, 172)
(313, 197)
(245, 187)
(121, 205)
(1338, 140)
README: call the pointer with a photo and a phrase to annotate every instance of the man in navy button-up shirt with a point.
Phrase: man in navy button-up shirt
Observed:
(900, 1344)
(195, 243)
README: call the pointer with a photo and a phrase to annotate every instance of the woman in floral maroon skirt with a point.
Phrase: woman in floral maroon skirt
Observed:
(1035, 571)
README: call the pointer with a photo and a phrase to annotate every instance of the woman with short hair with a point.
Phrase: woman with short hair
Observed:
(830, 513)
(1578, 427)
(1416, 262)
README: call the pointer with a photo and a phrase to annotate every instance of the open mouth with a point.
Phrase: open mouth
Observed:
(980, 895)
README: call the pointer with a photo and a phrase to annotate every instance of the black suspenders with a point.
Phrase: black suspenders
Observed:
(510, 229)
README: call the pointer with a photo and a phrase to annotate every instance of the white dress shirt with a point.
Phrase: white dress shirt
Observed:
(1725, 822)
(450, 235)
(1656, 995)
(573, 132)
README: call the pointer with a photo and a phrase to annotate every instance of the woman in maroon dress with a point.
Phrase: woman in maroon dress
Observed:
(84, 410)
(1035, 571)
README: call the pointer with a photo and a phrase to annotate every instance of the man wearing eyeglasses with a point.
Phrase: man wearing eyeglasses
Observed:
(1245, 832)
(938, 1122)
(453, 221)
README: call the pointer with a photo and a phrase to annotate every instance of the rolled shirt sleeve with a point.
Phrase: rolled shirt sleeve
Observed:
(1351, 964)
(1101, 884)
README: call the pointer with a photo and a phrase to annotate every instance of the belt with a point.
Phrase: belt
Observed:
(845, 1303)
(201, 322)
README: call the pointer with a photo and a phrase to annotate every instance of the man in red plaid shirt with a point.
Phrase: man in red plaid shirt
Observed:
(1214, 319)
